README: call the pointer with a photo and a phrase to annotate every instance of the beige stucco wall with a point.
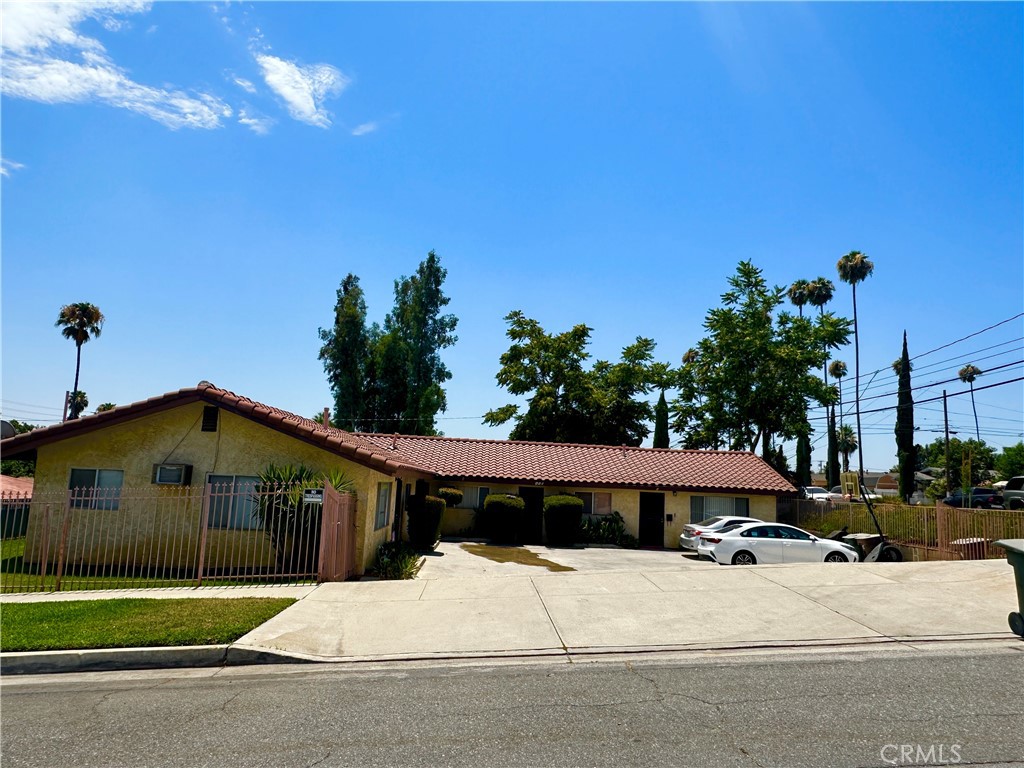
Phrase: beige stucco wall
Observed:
(625, 501)
(238, 447)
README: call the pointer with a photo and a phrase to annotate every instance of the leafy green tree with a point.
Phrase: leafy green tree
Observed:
(855, 268)
(967, 375)
(19, 467)
(79, 322)
(982, 459)
(661, 422)
(906, 451)
(105, 407)
(749, 379)
(1010, 461)
(418, 321)
(566, 402)
(345, 354)
(846, 442)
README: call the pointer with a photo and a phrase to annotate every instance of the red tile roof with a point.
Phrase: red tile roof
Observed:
(586, 465)
(468, 459)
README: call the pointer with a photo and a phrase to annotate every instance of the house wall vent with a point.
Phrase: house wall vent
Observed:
(172, 474)
(210, 415)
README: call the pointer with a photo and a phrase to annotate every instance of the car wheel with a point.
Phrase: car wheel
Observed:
(1016, 504)
(835, 557)
(744, 558)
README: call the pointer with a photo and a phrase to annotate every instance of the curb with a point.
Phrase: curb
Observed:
(120, 659)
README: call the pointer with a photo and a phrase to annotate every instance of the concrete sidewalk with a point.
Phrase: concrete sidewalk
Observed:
(464, 606)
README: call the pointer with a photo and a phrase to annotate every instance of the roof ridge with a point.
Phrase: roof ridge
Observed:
(595, 446)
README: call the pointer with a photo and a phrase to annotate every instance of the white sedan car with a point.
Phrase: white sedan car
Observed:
(691, 534)
(773, 543)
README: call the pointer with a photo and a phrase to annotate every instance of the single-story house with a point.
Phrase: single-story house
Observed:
(207, 435)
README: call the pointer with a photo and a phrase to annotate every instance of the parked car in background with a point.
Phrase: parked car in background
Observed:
(1013, 493)
(692, 532)
(774, 543)
(980, 498)
(836, 494)
(815, 493)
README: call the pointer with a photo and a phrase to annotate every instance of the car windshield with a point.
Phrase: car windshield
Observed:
(731, 527)
(711, 521)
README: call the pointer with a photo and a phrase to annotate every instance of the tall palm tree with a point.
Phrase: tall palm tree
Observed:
(838, 370)
(967, 375)
(847, 443)
(855, 268)
(79, 322)
(798, 294)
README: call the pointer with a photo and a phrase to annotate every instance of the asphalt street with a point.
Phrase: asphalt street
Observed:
(868, 707)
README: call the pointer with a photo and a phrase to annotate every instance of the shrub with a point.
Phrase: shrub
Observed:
(397, 560)
(607, 529)
(452, 496)
(562, 517)
(425, 522)
(503, 517)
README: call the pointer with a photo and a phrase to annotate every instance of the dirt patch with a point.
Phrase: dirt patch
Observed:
(519, 555)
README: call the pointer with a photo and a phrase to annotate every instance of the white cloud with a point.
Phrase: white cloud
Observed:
(245, 85)
(303, 88)
(6, 166)
(257, 124)
(365, 128)
(79, 70)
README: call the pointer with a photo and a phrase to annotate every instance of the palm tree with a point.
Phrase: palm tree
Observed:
(855, 268)
(798, 294)
(847, 443)
(79, 402)
(79, 322)
(967, 375)
(838, 370)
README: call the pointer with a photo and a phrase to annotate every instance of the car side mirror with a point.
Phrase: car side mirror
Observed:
(814, 538)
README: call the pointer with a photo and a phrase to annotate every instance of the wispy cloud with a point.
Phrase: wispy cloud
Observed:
(245, 85)
(256, 123)
(7, 166)
(47, 59)
(303, 89)
(365, 128)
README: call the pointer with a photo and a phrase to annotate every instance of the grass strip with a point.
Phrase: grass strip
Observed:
(132, 622)
(519, 555)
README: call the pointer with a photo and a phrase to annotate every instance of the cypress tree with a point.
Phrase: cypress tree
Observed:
(906, 451)
(803, 460)
(661, 422)
(832, 468)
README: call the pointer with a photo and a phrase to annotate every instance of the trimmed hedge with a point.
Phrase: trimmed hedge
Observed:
(452, 496)
(425, 522)
(562, 517)
(503, 515)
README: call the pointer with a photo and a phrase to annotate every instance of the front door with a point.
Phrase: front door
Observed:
(532, 530)
(652, 520)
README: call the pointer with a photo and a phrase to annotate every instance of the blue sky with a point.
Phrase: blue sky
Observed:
(207, 175)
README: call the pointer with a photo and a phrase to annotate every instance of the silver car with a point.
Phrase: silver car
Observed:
(690, 537)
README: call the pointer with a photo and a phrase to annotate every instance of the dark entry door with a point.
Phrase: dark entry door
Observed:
(532, 531)
(652, 520)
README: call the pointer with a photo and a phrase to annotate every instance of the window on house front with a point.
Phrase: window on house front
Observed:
(595, 502)
(703, 507)
(233, 501)
(96, 488)
(383, 505)
(473, 497)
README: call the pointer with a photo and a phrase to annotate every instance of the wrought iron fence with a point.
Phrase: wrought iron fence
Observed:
(939, 532)
(116, 538)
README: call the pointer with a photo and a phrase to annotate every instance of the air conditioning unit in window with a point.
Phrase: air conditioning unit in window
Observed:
(172, 474)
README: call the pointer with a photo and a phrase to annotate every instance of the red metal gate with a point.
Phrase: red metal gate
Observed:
(337, 536)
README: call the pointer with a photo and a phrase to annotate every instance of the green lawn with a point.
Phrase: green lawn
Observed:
(132, 622)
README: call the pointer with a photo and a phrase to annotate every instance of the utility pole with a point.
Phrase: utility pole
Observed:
(945, 419)
(67, 399)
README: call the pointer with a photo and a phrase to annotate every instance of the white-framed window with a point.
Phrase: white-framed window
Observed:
(96, 488)
(233, 501)
(383, 516)
(703, 507)
(596, 502)
(473, 497)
